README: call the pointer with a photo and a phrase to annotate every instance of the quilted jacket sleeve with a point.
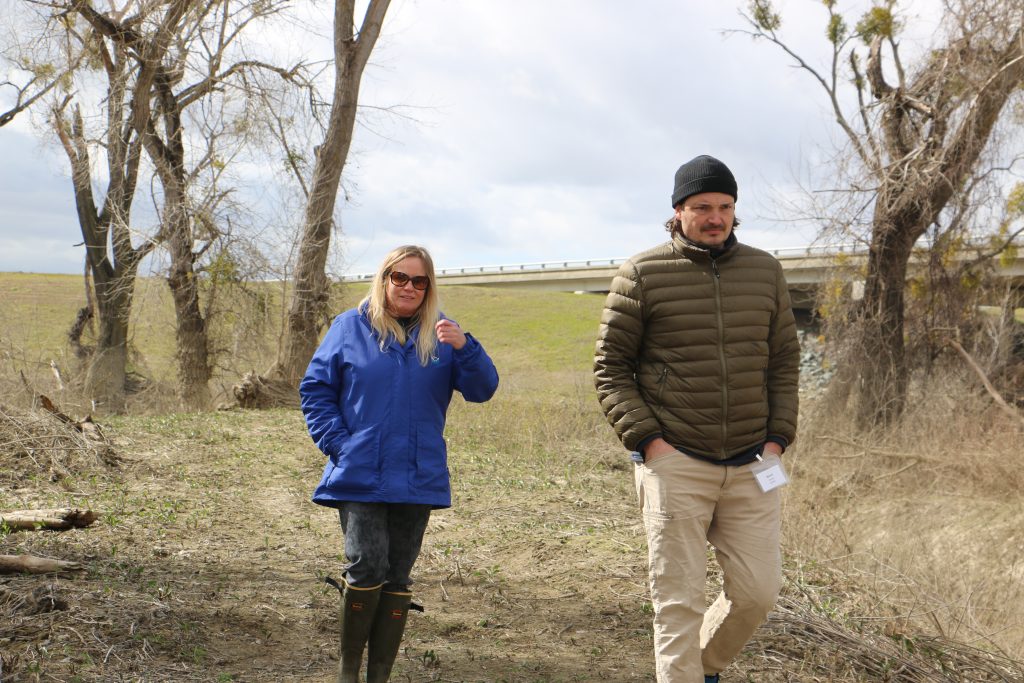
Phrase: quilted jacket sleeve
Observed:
(783, 366)
(615, 360)
(320, 392)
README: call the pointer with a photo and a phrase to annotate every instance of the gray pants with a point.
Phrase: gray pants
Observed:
(382, 542)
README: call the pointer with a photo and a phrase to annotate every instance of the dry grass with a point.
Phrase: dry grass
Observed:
(930, 508)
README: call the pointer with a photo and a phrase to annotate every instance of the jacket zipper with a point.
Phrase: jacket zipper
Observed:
(661, 382)
(721, 355)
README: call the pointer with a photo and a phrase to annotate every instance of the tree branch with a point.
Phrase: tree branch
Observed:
(198, 90)
(855, 140)
(1000, 401)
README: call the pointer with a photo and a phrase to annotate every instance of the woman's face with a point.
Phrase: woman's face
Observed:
(403, 301)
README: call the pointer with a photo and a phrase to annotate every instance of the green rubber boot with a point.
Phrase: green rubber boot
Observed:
(358, 609)
(386, 635)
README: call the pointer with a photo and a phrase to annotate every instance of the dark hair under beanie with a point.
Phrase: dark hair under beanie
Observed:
(702, 174)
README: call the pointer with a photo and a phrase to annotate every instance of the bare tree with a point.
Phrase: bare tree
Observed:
(168, 44)
(308, 309)
(918, 133)
(56, 53)
(111, 259)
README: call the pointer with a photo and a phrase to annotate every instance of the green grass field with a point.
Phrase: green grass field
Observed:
(528, 331)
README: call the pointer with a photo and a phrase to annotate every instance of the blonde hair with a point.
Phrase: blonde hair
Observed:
(385, 324)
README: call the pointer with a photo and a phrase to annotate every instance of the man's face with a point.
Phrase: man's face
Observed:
(707, 218)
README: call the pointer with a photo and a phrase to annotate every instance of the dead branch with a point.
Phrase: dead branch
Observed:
(57, 520)
(89, 429)
(30, 564)
(51, 408)
(1000, 401)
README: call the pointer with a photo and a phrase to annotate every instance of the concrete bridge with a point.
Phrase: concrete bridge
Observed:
(805, 268)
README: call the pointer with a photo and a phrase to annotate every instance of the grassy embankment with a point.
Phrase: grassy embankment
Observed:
(901, 547)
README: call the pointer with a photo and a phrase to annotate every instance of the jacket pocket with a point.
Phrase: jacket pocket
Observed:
(357, 462)
(651, 380)
(430, 471)
(662, 380)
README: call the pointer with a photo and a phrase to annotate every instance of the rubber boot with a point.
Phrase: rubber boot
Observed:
(358, 610)
(386, 635)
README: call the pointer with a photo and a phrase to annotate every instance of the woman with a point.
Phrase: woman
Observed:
(375, 397)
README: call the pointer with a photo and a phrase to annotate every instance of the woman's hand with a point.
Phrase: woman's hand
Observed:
(448, 332)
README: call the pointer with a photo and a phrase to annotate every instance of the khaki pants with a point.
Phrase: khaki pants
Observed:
(686, 503)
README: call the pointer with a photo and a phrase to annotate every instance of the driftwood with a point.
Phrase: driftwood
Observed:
(30, 564)
(57, 520)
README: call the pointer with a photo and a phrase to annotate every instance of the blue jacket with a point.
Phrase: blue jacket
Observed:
(379, 415)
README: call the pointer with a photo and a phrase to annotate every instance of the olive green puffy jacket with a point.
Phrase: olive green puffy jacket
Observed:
(702, 351)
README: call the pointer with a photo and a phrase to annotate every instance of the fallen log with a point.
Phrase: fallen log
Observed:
(57, 520)
(30, 564)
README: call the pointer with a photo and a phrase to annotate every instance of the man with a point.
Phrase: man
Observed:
(697, 367)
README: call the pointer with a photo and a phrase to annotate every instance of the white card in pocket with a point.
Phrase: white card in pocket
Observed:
(769, 473)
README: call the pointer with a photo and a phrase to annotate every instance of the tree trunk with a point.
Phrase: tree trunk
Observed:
(308, 310)
(883, 379)
(109, 254)
(105, 377)
(194, 371)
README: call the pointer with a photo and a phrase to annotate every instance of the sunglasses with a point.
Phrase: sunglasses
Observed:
(400, 279)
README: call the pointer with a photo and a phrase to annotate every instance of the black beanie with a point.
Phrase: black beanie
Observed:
(702, 174)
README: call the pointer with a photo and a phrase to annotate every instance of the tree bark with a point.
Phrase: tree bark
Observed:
(194, 368)
(154, 85)
(883, 378)
(108, 367)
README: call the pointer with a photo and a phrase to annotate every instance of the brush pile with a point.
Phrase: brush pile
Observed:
(44, 444)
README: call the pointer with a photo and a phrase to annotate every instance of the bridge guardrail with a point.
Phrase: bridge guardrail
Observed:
(569, 264)
(858, 248)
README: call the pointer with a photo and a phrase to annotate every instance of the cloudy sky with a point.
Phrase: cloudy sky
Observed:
(543, 130)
